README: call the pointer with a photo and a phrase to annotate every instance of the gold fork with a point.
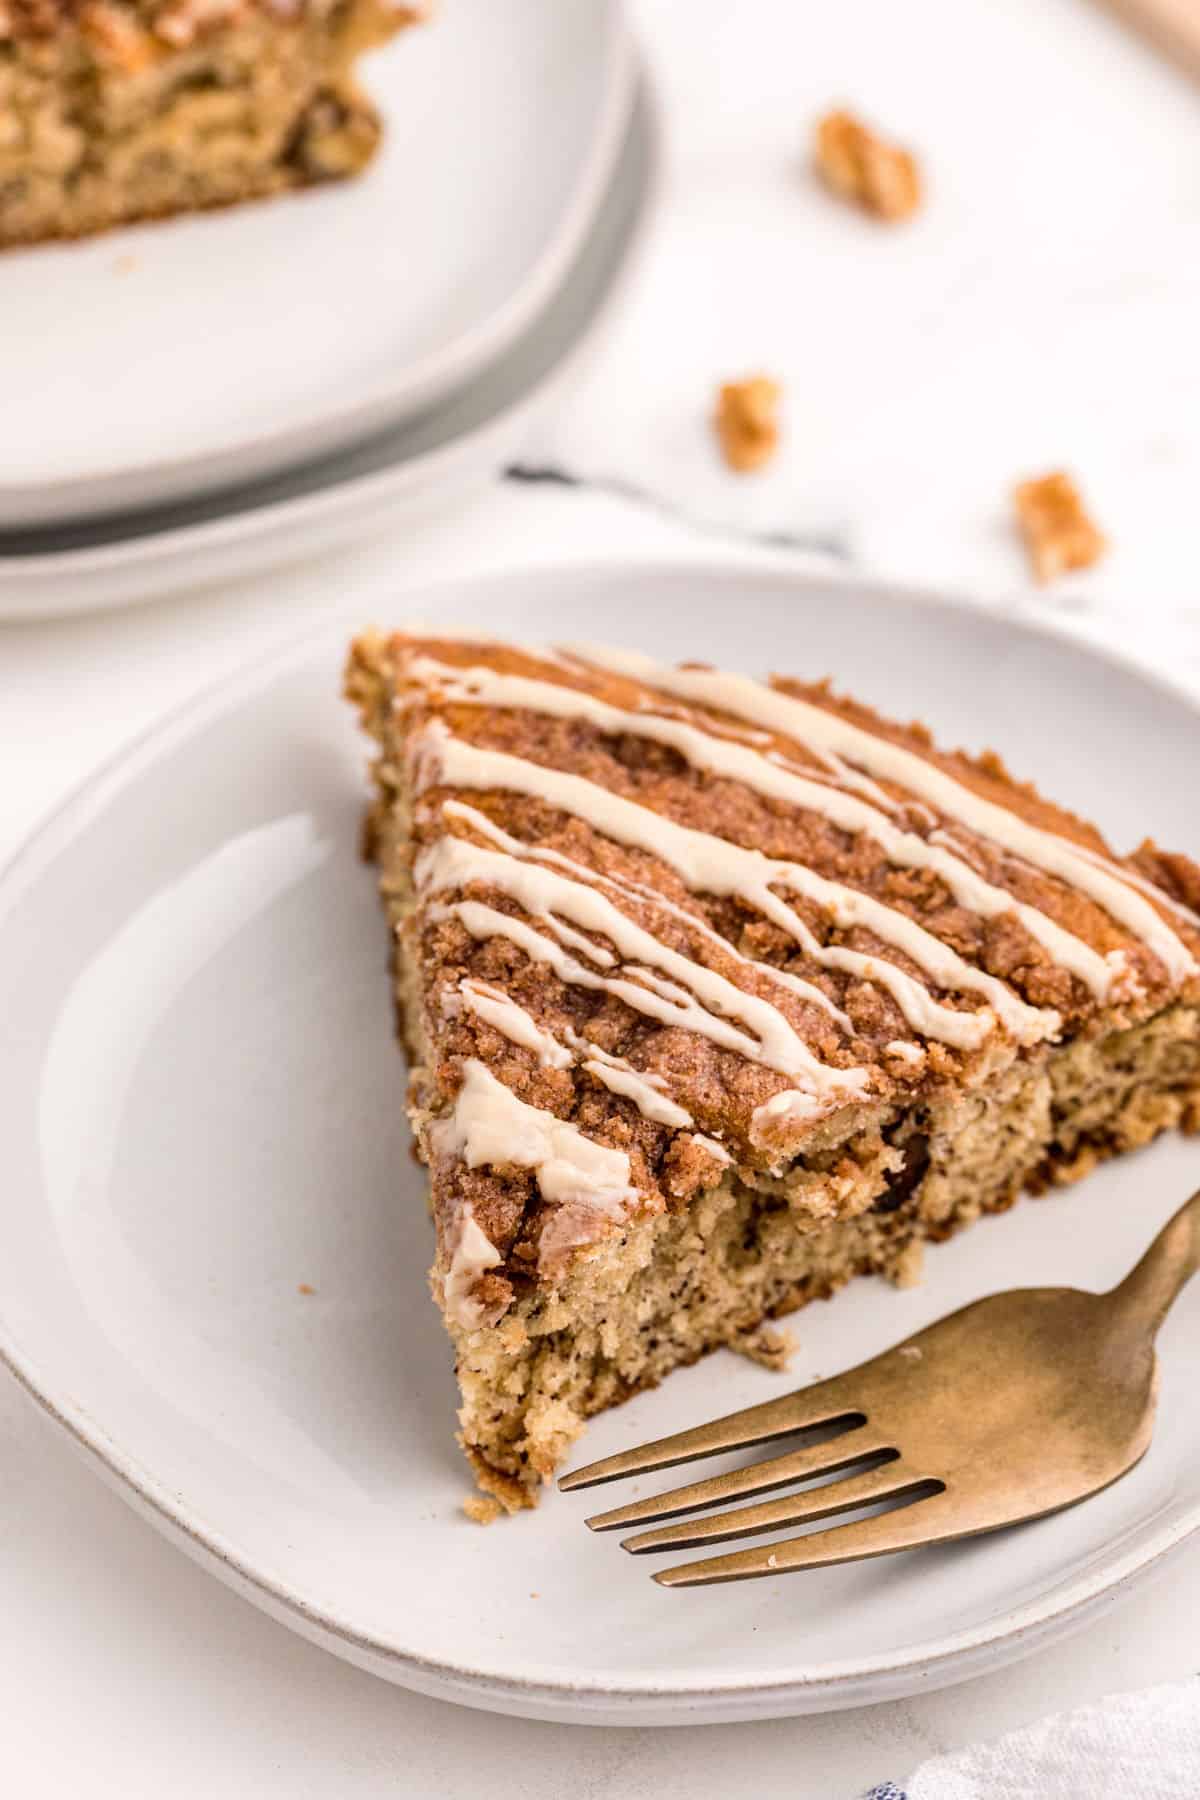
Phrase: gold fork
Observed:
(1012, 1408)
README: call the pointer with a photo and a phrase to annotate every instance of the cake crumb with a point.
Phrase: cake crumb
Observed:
(304, 1288)
(880, 178)
(771, 1346)
(747, 422)
(483, 1509)
(905, 1272)
(125, 265)
(1054, 522)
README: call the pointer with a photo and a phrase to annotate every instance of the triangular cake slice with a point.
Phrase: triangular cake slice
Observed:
(716, 993)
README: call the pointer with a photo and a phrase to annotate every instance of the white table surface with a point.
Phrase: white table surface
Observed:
(1045, 310)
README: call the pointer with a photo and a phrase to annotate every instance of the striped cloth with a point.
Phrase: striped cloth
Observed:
(1143, 1746)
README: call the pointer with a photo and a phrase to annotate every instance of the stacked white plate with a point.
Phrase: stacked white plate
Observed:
(193, 400)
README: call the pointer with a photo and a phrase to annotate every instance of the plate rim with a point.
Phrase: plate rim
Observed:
(25, 579)
(438, 374)
(940, 1661)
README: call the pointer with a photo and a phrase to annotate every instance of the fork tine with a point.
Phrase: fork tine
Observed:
(807, 1462)
(922, 1521)
(888, 1481)
(823, 1404)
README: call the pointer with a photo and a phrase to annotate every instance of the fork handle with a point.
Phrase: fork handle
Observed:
(1149, 1291)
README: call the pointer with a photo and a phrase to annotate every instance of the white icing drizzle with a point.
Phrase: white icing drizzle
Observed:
(1147, 887)
(669, 990)
(484, 922)
(595, 952)
(637, 1088)
(473, 1254)
(712, 865)
(807, 991)
(711, 1000)
(514, 1022)
(636, 891)
(909, 1053)
(587, 1183)
(772, 777)
(439, 632)
(712, 1146)
(949, 842)
(491, 1125)
(503, 1013)
(1103, 881)
(832, 767)
(790, 1106)
(587, 1048)
(835, 770)
(741, 734)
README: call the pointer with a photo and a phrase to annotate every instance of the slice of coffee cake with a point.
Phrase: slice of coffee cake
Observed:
(117, 110)
(718, 993)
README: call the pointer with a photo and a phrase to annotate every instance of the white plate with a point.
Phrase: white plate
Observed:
(179, 357)
(378, 485)
(200, 1103)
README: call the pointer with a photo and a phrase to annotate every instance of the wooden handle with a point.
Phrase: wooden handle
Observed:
(1147, 1292)
(1172, 25)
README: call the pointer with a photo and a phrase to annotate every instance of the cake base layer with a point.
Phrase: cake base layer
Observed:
(676, 1287)
(107, 121)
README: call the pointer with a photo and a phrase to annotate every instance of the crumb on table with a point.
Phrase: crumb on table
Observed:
(482, 1508)
(747, 422)
(304, 1288)
(1054, 522)
(771, 1346)
(880, 178)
